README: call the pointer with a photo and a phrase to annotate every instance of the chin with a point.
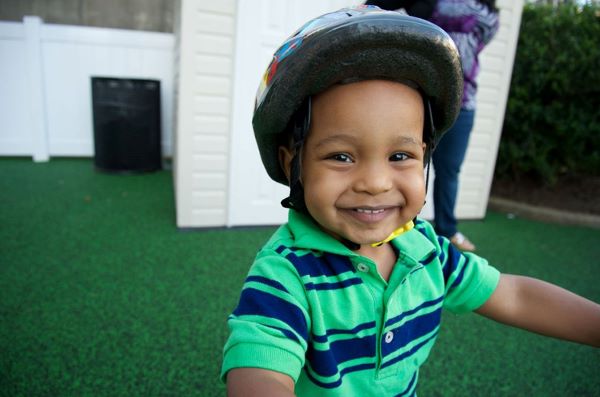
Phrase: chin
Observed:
(366, 240)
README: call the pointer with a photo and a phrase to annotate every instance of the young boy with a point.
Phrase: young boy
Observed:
(346, 298)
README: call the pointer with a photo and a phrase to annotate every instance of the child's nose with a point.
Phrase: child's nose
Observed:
(373, 179)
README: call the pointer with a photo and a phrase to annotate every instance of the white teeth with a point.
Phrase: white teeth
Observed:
(366, 211)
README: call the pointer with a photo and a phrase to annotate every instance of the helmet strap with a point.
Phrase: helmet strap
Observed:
(299, 126)
(429, 136)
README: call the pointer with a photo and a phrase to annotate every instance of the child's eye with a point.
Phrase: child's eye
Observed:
(341, 157)
(399, 157)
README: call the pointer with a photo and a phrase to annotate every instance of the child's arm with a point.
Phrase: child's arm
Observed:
(258, 382)
(544, 308)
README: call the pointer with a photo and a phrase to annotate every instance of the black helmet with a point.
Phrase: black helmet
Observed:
(358, 43)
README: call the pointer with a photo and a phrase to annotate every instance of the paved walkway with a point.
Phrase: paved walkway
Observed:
(543, 213)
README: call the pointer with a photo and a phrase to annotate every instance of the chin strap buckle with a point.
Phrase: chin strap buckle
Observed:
(395, 234)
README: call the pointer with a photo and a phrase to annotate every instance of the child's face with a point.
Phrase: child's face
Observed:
(362, 162)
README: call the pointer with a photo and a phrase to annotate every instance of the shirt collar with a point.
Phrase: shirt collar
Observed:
(414, 244)
(308, 235)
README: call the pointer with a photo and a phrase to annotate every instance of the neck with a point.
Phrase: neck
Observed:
(384, 257)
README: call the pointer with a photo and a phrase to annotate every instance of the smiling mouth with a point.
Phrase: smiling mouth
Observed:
(370, 215)
(369, 211)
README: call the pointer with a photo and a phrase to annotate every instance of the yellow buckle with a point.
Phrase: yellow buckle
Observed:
(395, 234)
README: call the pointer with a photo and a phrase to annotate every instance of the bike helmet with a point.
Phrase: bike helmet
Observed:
(354, 44)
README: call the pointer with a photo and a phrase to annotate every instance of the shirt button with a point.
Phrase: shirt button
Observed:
(389, 337)
(363, 268)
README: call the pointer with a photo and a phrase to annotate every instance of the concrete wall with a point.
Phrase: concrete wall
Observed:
(151, 15)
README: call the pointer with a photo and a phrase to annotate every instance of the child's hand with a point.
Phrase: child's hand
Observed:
(544, 308)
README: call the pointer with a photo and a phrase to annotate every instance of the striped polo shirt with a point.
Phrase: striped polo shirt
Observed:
(320, 313)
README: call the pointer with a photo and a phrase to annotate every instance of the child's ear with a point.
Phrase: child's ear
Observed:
(285, 160)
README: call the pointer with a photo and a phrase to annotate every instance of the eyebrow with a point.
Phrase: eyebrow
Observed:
(334, 138)
(407, 139)
(401, 139)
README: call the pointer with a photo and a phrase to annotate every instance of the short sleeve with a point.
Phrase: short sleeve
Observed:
(270, 326)
(469, 279)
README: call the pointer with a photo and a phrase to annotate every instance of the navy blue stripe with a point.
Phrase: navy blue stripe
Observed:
(353, 331)
(330, 286)
(409, 352)
(267, 281)
(451, 263)
(325, 362)
(442, 253)
(414, 270)
(256, 302)
(412, 330)
(311, 265)
(423, 305)
(343, 372)
(461, 275)
(289, 334)
(422, 228)
(409, 387)
(432, 256)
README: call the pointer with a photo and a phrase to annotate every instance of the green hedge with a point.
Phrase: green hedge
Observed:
(552, 122)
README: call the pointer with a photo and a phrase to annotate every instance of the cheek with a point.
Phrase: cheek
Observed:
(312, 185)
(321, 190)
(413, 185)
(318, 203)
(316, 189)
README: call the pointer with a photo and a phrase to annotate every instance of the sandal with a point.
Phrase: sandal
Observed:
(461, 242)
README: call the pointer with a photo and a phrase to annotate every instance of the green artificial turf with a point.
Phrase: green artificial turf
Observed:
(101, 294)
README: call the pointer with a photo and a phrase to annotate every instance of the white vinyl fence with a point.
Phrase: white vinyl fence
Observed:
(45, 83)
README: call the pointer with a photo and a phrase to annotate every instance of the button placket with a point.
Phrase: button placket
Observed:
(389, 337)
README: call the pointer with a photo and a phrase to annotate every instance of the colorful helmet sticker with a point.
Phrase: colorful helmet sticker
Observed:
(294, 42)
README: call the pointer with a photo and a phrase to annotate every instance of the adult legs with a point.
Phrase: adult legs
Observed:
(447, 160)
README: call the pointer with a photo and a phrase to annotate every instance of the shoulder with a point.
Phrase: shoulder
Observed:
(424, 227)
(282, 261)
(452, 262)
(462, 11)
(303, 244)
(468, 278)
(272, 260)
(427, 230)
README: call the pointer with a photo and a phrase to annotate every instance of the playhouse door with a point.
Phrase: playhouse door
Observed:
(262, 26)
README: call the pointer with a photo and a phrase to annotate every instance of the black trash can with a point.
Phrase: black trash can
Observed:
(127, 136)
